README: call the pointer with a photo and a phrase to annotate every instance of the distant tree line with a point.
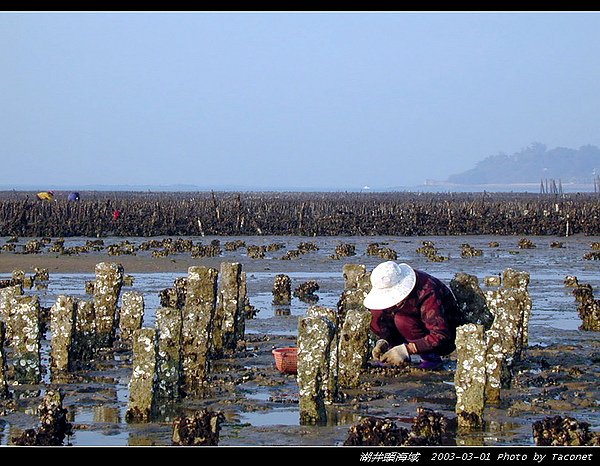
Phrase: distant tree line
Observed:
(307, 214)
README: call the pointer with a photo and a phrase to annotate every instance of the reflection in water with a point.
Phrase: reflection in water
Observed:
(13, 432)
(341, 418)
(107, 414)
(139, 440)
(494, 433)
(4, 430)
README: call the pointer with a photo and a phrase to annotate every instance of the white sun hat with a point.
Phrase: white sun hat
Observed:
(391, 283)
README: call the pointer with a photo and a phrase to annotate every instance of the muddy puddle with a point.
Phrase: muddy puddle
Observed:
(558, 375)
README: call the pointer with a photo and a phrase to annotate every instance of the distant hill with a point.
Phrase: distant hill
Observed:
(533, 164)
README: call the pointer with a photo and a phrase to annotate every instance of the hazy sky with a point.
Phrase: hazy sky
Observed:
(315, 100)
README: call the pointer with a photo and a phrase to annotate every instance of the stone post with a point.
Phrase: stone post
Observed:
(168, 326)
(282, 290)
(471, 300)
(507, 336)
(588, 308)
(198, 314)
(25, 323)
(84, 341)
(62, 326)
(107, 287)
(353, 347)
(330, 379)
(240, 323)
(8, 301)
(142, 386)
(518, 282)
(356, 286)
(4, 393)
(470, 375)
(131, 314)
(315, 336)
(229, 308)
(353, 275)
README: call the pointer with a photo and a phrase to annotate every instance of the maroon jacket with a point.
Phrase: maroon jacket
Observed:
(426, 317)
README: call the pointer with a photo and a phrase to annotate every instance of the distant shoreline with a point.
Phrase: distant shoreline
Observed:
(430, 186)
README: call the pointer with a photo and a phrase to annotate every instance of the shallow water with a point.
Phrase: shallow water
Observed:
(554, 315)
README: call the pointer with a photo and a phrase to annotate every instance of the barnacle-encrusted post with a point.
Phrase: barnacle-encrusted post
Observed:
(511, 307)
(4, 393)
(168, 326)
(240, 323)
(230, 308)
(142, 386)
(521, 310)
(8, 301)
(282, 290)
(62, 326)
(353, 349)
(198, 314)
(471, 300)
(588, 308)
(470, 375)
(25, 322)
(315, 336)
(330, 378)
(107, 287)
(131, 314)
(356, 286)
(84, 341)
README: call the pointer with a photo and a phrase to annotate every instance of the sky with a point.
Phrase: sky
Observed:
(287, 100)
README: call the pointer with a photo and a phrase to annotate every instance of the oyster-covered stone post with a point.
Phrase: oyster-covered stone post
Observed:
(356, 286)
(315, 336)
(107, 287)
(230, 308)
(521, 311)
(282, 290)
(470, 375)
(168, 326)
(471, 300)
(142, 386)
(353, 350)
(84, 340)
(588, 308)
(243, 301)
(4, 393)
(8, 301)
(507, 337)
(25, 322)
(198, 315)
(62, 326)
(131, 314)
(330, 379)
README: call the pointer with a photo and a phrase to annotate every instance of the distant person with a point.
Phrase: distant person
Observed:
(116, 214)
(412, 313)
(45, 195)
(74, 196)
